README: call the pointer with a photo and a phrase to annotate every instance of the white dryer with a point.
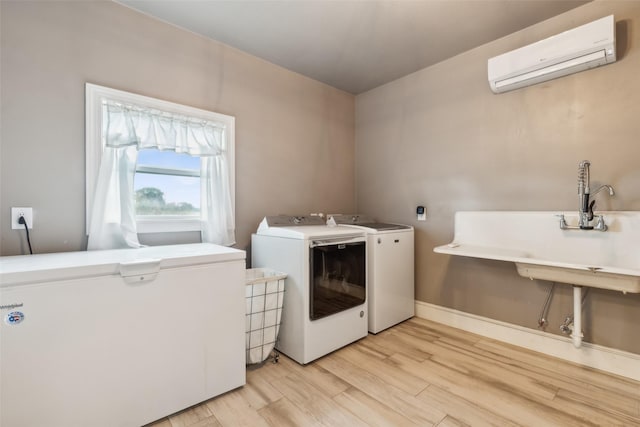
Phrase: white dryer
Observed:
(325, 293)
(390, 270)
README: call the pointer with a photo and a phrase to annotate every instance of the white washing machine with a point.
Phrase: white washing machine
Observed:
(325, 297)
(390, 270)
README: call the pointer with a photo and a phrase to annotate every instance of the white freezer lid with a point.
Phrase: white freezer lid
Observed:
(22, 269)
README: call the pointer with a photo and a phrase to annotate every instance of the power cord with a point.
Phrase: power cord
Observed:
(21, 220)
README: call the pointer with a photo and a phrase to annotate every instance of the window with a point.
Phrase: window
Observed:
(156, 166)
(167, 183)
(167, 191)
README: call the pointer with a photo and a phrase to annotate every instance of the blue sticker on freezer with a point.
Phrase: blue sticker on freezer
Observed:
(14, 318)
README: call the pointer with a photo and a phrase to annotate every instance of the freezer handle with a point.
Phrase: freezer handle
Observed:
(140, 271)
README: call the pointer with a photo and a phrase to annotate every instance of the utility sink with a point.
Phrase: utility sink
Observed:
(541, 250)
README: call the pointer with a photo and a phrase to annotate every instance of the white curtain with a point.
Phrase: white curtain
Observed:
(127, 129)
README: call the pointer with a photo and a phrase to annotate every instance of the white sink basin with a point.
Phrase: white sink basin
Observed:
(541, 250)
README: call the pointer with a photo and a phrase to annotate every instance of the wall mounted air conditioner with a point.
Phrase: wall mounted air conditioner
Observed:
(579, 49)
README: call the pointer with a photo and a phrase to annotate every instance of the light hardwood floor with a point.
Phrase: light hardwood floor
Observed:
(425, 374)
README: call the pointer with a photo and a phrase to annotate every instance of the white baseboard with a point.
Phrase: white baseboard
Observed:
(595, 356)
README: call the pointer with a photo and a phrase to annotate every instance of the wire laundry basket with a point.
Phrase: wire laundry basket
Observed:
(264, 292)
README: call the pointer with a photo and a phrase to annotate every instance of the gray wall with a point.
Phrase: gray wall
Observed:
(294, 135)
(441, 138)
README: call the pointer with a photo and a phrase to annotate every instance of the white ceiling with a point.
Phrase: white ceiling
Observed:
(354, 45)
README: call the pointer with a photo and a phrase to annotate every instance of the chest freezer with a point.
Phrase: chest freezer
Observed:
(119, 337)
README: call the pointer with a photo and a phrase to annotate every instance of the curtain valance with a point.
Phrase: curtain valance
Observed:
(148, 128)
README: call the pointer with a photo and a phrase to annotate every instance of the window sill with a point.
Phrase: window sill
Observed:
(167, 224)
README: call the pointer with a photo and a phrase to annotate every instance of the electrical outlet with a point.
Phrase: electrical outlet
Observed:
(16, 213)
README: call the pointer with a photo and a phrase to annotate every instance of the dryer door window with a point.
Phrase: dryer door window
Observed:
(338, 278)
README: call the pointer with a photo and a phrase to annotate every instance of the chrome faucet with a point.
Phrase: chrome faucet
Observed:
(585, 209)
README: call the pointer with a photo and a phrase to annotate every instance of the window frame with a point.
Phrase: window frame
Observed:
(94, 146)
